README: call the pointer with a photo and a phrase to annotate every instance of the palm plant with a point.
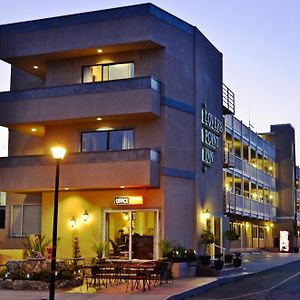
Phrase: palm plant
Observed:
(36, 245)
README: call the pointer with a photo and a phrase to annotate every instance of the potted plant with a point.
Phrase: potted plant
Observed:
(296, 249)
(207, 238)
(230, 236)
(237, 259)
(219, 262)
(166, 247)
(36, 246)
(99, 248)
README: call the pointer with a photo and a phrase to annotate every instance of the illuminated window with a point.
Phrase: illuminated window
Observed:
(22, 222)
(107, 140)
(107, 72)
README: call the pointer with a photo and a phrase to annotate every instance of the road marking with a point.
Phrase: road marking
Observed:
(264, 291)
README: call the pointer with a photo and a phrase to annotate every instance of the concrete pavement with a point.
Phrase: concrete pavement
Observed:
(179, 289)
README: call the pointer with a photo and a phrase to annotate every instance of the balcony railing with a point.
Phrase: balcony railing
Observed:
(243, 206)
(87, 170)
(135, 96)
(228, 101)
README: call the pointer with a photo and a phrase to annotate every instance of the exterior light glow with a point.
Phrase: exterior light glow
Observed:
(205, 214)
(35, 67)
(99, 119)
(85, 216)
(33, 129)
(99, 50)
(125, 216)
(122, 187)
(66, 189)
(72, 222)
(58, 152)
(271, 225)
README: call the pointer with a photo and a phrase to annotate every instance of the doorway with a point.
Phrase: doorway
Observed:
(131, 234)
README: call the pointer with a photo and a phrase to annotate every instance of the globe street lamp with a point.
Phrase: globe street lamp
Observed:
(58, 154)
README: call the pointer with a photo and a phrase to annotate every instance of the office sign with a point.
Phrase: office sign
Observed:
(212, 129)
(129, 200)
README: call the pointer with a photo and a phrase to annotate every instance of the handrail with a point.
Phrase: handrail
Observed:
(220, 247)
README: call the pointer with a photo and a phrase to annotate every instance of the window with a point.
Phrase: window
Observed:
(261, 232)
(2, 217)
(107, 72)
(25, 220)
(107, 140)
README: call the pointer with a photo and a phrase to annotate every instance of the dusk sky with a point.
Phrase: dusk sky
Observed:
(259, 39)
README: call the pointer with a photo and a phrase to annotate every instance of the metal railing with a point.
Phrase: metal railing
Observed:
(228, 100)
(219, 247)
(244, 206)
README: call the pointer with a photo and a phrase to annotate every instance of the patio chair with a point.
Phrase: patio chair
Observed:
(118, 248)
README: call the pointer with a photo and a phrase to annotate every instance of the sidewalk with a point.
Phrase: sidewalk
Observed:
(179, 289)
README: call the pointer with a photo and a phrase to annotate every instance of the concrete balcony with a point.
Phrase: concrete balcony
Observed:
(243, 206)
(93, 170)
(136, 97)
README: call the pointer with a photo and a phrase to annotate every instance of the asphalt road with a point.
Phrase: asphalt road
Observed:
(281, 283)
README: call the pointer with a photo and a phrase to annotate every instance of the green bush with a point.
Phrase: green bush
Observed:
(231, 235)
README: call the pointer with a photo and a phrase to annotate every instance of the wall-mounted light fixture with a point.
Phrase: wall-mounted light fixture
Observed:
(125, 216)
(205, 214)
(85, 216)
(72, 222)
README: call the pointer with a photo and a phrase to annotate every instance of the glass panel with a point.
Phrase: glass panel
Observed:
(94, 141)
(118, 71)
(92, 73)
(31, 225)
(16, 220)
(117, 232)
(121, 139)
(143, 230)
(105, 73)
(2, 217)
(2, 198)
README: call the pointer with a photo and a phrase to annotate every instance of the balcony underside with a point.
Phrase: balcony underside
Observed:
(137, 97)
(81, 171)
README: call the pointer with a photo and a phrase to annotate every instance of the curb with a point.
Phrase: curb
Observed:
(219, 282)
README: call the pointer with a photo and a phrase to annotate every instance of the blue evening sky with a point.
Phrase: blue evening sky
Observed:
(259, 39)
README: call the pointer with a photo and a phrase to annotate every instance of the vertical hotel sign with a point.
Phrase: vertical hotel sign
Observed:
(212, 129)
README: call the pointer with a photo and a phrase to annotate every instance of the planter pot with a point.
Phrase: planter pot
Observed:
(183, 269)
(228, 258)
(237, 262)
(204, 260)
(296, 249)
(219, 264)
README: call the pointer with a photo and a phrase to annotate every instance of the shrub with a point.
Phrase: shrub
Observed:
(231, 235)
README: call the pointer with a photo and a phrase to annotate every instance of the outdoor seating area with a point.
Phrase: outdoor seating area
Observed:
(133, 274)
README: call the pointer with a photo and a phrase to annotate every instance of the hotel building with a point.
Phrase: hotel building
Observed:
(141, 116)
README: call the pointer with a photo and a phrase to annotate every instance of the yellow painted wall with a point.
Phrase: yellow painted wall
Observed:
(74, 203)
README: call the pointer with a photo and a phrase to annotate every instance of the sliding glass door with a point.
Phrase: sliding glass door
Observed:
(131, 234)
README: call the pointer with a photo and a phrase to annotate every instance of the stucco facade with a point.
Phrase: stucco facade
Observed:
(176, 81)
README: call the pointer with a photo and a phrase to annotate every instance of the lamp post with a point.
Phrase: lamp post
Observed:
(58, 154)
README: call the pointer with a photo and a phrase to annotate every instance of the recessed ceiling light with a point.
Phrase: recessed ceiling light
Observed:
(35, 67)
(33, 129)
(99, 119)
(99, 50)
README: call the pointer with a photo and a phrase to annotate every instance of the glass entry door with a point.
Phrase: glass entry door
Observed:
(131, 234)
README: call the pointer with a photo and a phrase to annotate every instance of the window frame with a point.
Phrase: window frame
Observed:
(22, 235)
(103, 65)
(108, 139)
